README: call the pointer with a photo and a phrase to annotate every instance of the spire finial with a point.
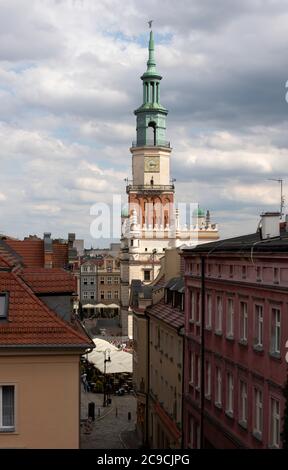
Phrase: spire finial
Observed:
(151, 64)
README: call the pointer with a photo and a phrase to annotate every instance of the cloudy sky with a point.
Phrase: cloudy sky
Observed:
(69, 82)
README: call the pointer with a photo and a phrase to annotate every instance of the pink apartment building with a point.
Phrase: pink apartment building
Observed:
(244, 282)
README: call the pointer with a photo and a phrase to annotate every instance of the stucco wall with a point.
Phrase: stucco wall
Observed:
(46, 401)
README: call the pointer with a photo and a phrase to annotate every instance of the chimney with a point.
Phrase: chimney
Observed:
(72, 251)
(269, 225)
(48, 251)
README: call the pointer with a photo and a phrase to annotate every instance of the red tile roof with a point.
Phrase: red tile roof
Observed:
(168, 314)
(31, 252)
(31, 323)
(53, 280)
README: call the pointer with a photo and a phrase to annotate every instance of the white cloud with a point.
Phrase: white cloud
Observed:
(69, 82)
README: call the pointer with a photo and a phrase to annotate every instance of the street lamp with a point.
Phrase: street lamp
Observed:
(106, 359)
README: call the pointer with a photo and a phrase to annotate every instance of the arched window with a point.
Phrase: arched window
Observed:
(151, 134)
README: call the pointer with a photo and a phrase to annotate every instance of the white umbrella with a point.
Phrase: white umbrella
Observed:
(121, 361)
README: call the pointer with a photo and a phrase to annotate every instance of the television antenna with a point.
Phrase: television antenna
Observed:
(280, 181)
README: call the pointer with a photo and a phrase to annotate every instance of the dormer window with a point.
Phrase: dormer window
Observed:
(3, 305)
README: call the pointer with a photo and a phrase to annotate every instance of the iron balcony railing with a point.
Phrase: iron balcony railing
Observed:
(151, 143)
(150, 187)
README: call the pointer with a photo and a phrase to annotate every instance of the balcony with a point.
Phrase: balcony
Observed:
(151, 143)
(149, 187)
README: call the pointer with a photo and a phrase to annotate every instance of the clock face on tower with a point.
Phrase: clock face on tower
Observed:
(152, 165)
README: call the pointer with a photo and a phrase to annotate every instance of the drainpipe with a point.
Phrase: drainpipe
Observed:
(183, 388)
(148, 382)
(203, 296)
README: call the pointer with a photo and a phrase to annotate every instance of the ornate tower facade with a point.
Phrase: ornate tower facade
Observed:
(151, 193)
(151, 222)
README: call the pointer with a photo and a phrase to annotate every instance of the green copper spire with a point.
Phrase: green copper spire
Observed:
(151, 116)
(151, 64)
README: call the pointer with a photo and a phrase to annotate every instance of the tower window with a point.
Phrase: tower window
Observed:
(152, 133)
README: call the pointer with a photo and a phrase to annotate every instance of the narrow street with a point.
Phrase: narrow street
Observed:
(111, 429)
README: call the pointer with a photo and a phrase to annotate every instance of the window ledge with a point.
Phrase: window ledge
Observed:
(275, 355)
(230, 338)
(258, 349)
(229, 414)
(257, 435)
(218, 333)
(243, 424)
(7, 430)
(218, 405)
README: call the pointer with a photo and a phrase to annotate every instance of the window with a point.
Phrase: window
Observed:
(230, 318)
(209, 269)
(85, 295)
(276, 275)
(274, 423)
(258, 340)
(230, 391)
(146, 275)
(92, 281)
(3, 305)
(197, 436)
(116, 294)
(85, 269)
(275, 331)
(198, 372)
(109, 294)
(198, 308)
(209, 311)
(192, 367)
(244, 272)
(219, 314)
(231, 270)
(218, 387)
(208, 380)
(109, 280)
(243, 411)
(102, 295)
(219, 270)
(243, 321)
(116, 280)
(7, 407)
(191, 437)
(92, 296)
(85, 281)
(192, 316)
(102, 280)
(180, 352)
(258, 274)
(258, 412)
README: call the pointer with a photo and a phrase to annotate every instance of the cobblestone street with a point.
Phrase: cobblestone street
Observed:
(111, 429)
